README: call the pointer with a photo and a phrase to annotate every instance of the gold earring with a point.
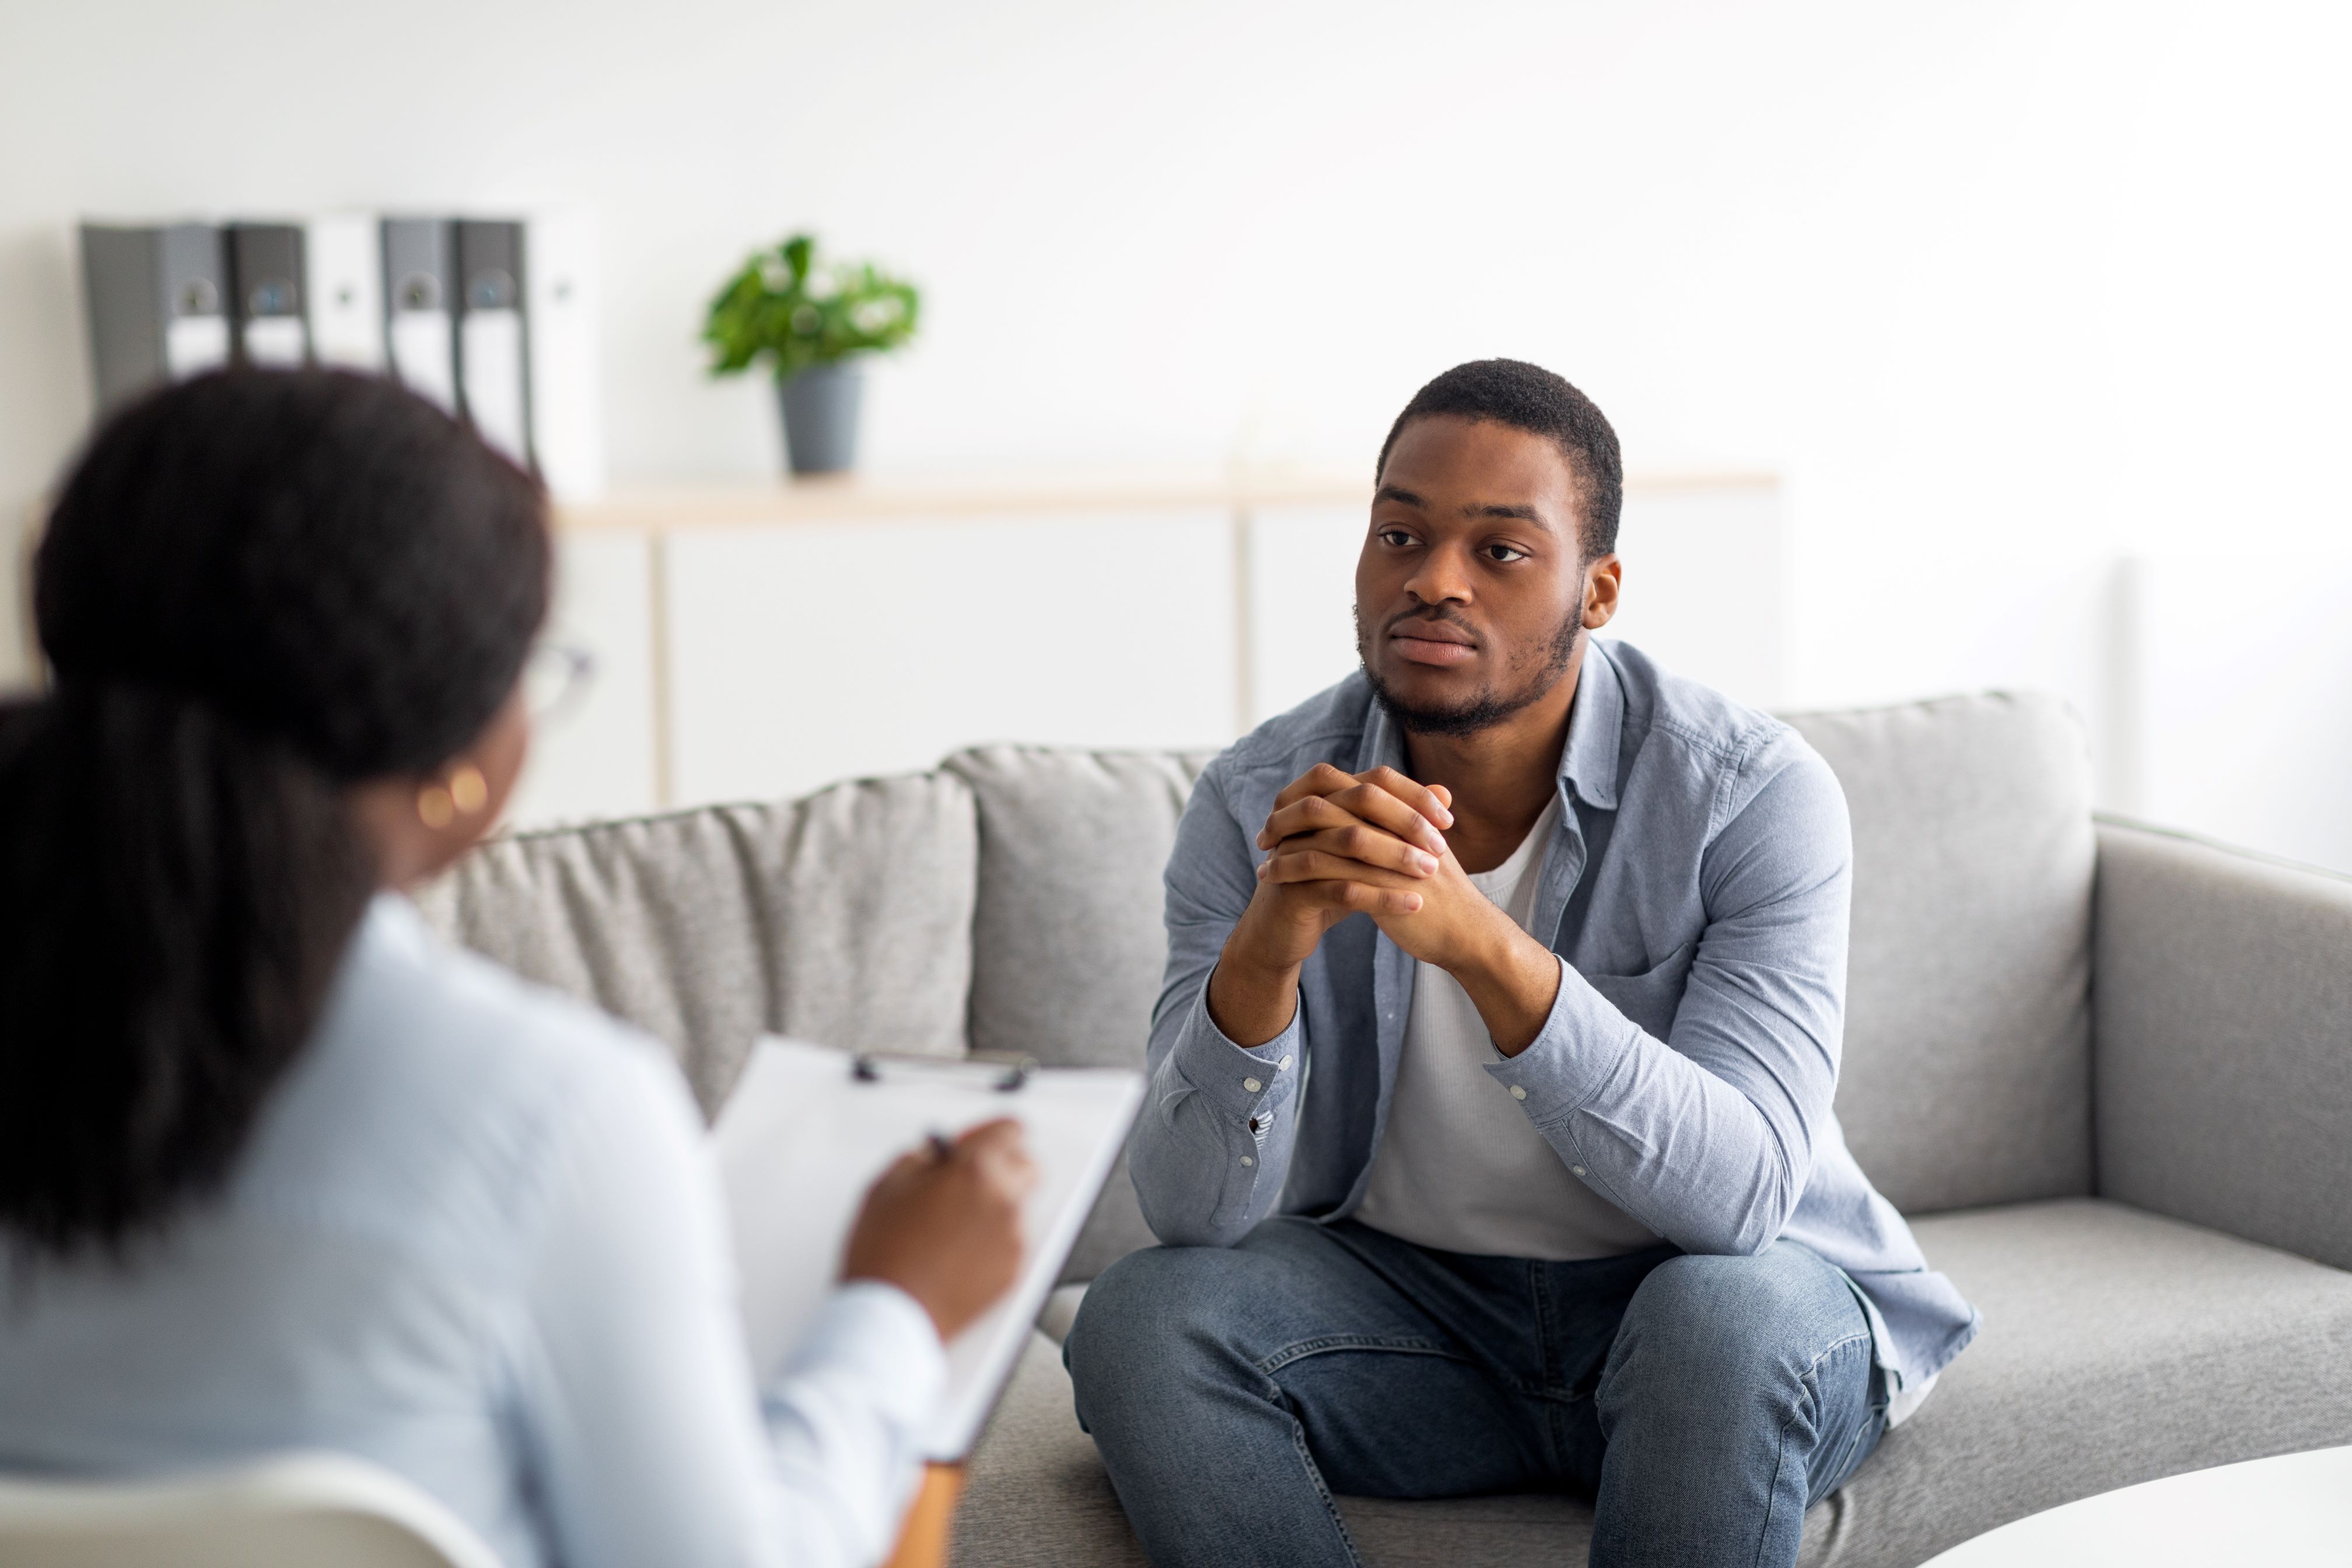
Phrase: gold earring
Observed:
(438, 805)
(468, 790)
(434, 806)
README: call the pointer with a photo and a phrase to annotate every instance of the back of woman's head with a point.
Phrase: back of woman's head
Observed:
(257, 591)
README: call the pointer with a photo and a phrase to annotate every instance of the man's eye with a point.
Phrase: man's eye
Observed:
(1504, 554)
(1394, 538)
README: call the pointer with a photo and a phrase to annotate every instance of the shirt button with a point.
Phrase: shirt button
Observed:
(1517, 1093)
(1576, 1170)
(1283, 1065)
(1247, 1160)
(1251, 1085)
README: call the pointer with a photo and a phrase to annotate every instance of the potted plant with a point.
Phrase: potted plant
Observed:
(811, 319)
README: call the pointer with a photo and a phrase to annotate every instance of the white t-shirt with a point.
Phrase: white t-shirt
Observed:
(1459, 1166)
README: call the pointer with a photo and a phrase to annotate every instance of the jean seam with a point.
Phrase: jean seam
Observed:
(1314, 1474)
(1291, 1354)
(1549, 1374)
(1810, 1382)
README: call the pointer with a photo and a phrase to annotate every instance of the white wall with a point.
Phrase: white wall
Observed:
(2004, 290)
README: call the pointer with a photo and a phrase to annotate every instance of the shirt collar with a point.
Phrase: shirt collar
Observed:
(1596, 722)
(1383, 741)
(395, 925)
(1588, 763)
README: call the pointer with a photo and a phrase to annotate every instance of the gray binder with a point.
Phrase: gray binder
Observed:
(156, 298)
(267, 294)
(419, 306)
(494, 335)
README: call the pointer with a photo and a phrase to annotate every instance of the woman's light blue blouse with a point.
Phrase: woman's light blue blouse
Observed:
(476, 1239)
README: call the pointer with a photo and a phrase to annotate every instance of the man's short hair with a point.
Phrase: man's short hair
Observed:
(1529, 397)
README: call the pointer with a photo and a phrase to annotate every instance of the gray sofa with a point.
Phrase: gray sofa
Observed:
(2108, 1070)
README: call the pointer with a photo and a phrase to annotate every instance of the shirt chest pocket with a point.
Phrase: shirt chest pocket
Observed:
(1651, 997)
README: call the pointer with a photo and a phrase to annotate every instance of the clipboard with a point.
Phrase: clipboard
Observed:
(807, 1130)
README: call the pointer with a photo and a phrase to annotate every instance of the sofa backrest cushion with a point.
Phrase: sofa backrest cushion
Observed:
(844, 918)
(1967, 1074)
(1068, 945)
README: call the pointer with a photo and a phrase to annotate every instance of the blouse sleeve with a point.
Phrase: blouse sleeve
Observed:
(645, 1439)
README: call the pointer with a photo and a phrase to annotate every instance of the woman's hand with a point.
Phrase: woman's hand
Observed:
(944, 1224)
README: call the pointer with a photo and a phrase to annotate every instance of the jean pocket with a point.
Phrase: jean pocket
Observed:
(1650, 998)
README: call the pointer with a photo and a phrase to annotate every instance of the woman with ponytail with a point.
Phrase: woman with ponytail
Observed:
(279, 1171)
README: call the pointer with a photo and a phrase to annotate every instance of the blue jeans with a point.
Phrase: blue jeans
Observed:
(1701, 1403)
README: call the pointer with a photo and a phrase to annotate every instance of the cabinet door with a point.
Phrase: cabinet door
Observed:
(594, 757)
(1302, 602)
(1707, 586)
(802, 653)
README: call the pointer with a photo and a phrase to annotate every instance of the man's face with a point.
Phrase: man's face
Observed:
(1470, 592)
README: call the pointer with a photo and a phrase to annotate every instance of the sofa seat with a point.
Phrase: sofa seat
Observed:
(2118, 1346)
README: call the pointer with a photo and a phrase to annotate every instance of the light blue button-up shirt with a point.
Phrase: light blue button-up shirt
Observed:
(476, 1239)
(1686, 1069)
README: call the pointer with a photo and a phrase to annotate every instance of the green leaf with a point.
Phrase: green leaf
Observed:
(790, 305)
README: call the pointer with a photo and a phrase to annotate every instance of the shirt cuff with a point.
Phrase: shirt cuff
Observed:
(879, 1335)
(1245, 1082)
(1581, 1041)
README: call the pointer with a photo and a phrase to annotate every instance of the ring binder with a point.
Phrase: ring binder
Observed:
(157, 298)
(268, 294)
(420, 330)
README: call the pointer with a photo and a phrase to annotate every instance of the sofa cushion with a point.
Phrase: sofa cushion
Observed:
(2118, 1347)
(2224, 1047)
(1068, 942)
(844, 918)
(1967, 1074)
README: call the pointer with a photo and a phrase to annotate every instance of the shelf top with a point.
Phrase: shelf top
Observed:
(855, 497)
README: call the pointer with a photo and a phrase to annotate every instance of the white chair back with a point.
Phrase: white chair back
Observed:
(295, 1510)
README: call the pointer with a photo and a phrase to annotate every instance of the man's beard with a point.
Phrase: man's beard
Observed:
(1488, 706)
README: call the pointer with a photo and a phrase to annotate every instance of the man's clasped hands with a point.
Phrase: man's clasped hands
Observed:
(1375, 844)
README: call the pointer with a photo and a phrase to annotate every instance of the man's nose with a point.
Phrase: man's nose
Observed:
(1443, 577)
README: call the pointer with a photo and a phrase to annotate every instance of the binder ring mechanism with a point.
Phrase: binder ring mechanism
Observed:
(1010, 1070)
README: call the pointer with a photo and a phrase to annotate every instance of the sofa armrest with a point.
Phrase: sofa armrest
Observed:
(2221, 1003)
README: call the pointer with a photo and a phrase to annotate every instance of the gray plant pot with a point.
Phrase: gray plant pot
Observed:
(820, 405)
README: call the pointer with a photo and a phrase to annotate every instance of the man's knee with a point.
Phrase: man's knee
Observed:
(1145, 1324)
(1717, 1328)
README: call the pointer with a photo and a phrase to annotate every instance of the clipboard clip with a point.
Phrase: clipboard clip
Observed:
(1010, 1070)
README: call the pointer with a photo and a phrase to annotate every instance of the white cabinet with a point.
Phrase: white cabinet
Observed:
(598, 757)
(1707, 586)
(761, 645)
(805, 652)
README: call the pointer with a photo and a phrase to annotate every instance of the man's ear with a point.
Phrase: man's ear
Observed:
(1603, 579)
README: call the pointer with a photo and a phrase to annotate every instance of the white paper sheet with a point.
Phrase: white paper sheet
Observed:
(801, 1139)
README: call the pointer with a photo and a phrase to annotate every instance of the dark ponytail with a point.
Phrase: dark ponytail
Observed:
(256, 590)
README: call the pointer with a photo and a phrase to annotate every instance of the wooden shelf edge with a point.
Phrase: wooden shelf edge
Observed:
(849, 499)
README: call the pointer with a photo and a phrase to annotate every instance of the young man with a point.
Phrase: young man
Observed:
(1489, 1127)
